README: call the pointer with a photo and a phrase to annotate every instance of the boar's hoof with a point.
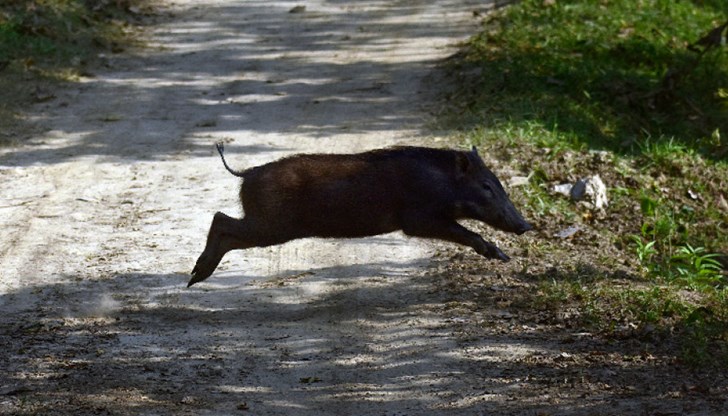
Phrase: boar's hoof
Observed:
(195, 278)
(203, 269)
(496, 253)
(502, 256)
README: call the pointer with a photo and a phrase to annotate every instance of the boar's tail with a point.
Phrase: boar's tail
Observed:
(221, 150)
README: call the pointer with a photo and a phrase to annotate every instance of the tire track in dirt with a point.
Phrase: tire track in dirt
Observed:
(98, 319)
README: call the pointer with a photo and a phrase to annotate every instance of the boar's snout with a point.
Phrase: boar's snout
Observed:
(515, 225)
(510, 220)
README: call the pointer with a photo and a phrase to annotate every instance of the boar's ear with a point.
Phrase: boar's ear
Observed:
(464, 163)
(474, 150)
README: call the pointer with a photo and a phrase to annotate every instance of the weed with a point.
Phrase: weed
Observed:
(661, 257)
(665, 154)
(695, 268)
(645, 251)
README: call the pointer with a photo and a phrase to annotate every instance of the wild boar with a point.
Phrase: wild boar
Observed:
(418, 190)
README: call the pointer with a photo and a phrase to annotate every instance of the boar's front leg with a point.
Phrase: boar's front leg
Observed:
(227, 233)
(450, 230)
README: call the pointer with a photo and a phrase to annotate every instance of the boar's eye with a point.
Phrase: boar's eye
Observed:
(487, 187)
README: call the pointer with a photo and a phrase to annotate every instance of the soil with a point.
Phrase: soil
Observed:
(106, 210)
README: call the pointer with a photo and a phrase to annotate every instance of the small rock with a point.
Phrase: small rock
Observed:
(563, 189)
(597, 192)
(189, 400)
(578, 191)
(517, 181)
(568, 232)
(722, 202)
(298, 9)
(591, 189)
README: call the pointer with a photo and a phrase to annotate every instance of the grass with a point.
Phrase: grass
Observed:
(562, 90)
(694, 326)
(593, 72)
(43, 42)
(61, 34)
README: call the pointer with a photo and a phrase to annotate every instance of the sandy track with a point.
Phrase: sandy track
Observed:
(104, 214)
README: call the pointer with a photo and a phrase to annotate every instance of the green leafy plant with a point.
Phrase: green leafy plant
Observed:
(696, 268)
(689, 266)
(663, 250)
(645, 251)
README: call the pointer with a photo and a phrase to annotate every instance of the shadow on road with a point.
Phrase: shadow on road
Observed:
(250, 70)
(106, 347)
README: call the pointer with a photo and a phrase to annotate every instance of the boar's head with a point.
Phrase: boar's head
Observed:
(482, 197)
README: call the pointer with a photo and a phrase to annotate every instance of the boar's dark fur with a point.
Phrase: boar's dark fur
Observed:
(421, 191)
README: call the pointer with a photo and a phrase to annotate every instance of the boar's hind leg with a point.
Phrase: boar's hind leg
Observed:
(452, 231)
(226, 233)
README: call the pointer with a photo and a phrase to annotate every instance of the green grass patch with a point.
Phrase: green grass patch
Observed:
(47, 41)
(664, 318)
(594, 72)
(62, 33)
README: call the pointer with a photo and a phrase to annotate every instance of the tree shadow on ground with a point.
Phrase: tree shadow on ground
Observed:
(140, 343)
(251, 69)
(577, 367)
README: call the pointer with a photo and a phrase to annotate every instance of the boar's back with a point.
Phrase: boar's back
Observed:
(348, 195)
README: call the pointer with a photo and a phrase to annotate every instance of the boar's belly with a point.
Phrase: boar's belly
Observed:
(342, 210)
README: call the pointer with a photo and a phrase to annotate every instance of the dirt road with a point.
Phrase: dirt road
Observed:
(105, 212)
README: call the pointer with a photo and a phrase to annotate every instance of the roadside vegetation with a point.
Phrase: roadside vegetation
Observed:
(43, 42)
(637, 93)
